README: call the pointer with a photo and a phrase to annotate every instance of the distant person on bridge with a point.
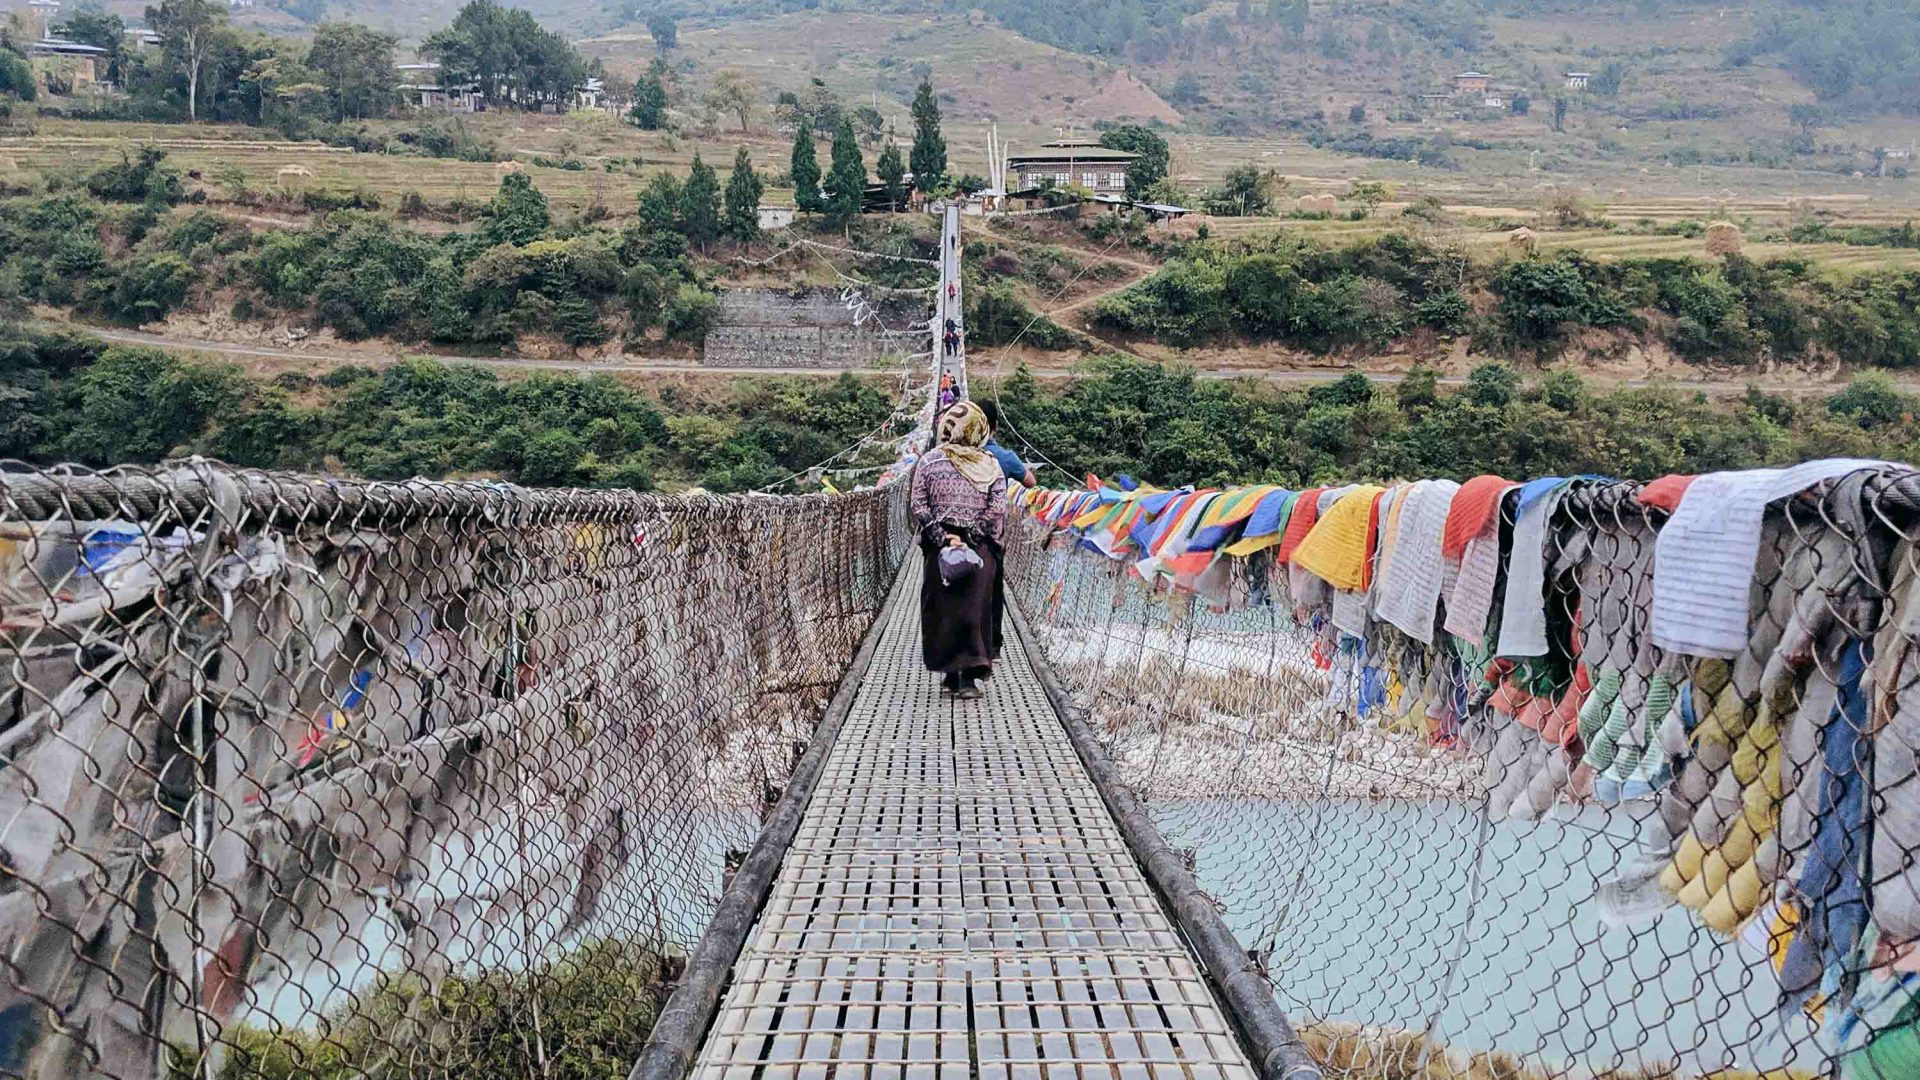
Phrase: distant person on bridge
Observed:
(949, 391)
(959, 500)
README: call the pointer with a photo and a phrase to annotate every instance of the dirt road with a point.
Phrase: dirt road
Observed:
(1304, 377)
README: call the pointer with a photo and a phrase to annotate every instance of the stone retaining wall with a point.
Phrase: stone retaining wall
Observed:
(807, 328)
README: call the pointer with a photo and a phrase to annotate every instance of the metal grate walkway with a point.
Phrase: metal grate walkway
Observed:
(959, 903)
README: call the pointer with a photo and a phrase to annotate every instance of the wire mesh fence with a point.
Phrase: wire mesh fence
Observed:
(1609, 859)
(314, 778)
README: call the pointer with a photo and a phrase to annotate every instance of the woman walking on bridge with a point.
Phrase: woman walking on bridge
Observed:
(959, 500)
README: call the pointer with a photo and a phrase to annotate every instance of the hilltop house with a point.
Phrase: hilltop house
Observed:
(41, 17)
(67, 67)
(1472, 82)
(1070, 163)
(420, 86)
(590, 94)
(1578, 80)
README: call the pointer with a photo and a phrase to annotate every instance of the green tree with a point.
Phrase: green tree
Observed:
(700, 203)
(191, 31)
(733, 92)
(281, 91)
(846, 181)
(649, 112)
(893, 175)
(1242, 192)
(1369, 194)
(1153, 160)
(1559, 113)
(508, 53)
(743, 198)
(660, 204)
(1606, 82)
(102, 31)
(928, 156)
(1290, 14)
(1419, 390)
(355, 64)
(868, 123)
(666, 32)
(1492, 385)
(805, 170)
(16, 76)
(518, 213)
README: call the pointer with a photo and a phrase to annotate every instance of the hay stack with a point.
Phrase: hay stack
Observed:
(1723, 238)
(1521, 241)
(293, 175)
(506, 167)
(1318, 204)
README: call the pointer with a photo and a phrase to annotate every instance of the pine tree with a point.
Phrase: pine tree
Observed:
(660, 204)
(743, 198)
(649, 110)
(846, 177)
(805, 170)
(929, 154)
(893, 173)
(700, 203)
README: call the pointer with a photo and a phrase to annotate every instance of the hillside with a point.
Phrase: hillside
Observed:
(1783, 85)
(1677, 83)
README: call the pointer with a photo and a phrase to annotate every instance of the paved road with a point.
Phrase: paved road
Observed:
(684, 367)
(330, 356)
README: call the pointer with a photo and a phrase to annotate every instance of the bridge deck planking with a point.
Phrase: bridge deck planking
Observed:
(959, 903)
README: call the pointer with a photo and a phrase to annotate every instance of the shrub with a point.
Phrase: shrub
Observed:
(690, 314)
(1448, 312)
(148, 287)
(1873, 400)
(1183, 303)
(595, 1006)
(141, 178)
(1542, 298)
(997, 316)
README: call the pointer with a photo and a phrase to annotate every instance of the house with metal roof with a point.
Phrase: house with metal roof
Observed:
(1070, 163)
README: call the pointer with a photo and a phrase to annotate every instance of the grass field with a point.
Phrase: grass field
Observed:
(68, 147)
(1597, 243)
(617, 158)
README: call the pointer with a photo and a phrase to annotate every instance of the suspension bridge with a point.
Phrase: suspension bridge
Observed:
(306, 778)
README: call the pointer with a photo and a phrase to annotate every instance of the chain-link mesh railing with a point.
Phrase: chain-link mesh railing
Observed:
(1607, 860)
(309, 778)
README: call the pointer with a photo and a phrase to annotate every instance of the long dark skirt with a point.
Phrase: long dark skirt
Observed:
(960, 623)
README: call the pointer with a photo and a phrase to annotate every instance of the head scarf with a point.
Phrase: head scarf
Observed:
(963, 431)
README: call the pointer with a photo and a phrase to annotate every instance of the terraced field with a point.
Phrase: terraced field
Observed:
(1490, 240)
(61, 147)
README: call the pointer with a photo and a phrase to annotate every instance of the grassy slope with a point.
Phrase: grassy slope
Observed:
(64, 146)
